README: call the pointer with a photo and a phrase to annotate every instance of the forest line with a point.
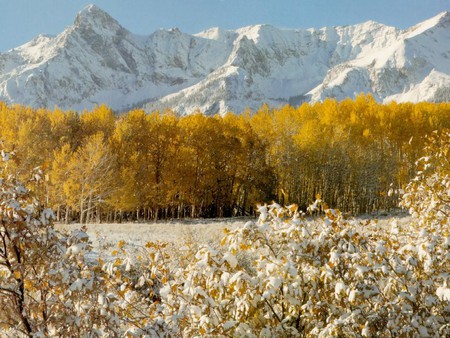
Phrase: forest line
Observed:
(99, 166)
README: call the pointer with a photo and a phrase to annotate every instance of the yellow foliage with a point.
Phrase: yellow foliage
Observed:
(164, 165)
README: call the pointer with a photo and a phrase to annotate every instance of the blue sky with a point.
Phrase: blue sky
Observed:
(21, 20)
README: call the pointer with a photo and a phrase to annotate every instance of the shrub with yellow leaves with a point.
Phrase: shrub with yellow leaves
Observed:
(428, 195)
(47, 288)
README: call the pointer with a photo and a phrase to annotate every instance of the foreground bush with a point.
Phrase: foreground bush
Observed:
(333, 277)
(46, 286)
(283, 275)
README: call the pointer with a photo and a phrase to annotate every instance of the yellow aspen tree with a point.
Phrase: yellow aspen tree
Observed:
(130, 144)
(100, 119)
(91, 180)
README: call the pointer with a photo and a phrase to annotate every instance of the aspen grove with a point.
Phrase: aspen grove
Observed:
(102, 167)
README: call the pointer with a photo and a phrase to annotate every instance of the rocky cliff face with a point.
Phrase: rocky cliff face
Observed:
(96, 61)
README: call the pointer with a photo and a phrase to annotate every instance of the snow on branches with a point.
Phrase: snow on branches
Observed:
(46, 286)
(428, 194)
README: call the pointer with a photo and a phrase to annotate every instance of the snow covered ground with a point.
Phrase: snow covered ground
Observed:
(105, 237)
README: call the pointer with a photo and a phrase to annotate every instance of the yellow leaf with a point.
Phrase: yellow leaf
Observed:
(28, 285)
(293, 207)
(244, 246)
(121, 244)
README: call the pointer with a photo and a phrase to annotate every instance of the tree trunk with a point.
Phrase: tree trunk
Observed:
(89, 210)
(58, 213)
(98, 214)
(67, 215)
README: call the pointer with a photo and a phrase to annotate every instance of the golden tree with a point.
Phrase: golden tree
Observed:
(90, 179)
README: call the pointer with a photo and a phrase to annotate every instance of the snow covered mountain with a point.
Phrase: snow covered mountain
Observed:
(96, 61)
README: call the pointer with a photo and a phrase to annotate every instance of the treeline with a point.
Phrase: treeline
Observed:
(100, 166)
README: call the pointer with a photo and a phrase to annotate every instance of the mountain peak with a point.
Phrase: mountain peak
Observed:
(92, 16)
(91, 8)
(445, 15)
(91, 11)
(442, 19)
(212, 33)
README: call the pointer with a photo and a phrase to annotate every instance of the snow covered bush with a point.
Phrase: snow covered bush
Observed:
(428, 194)
(331, 277)
(46, 286)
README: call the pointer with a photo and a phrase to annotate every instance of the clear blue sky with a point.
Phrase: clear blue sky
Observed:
(21, 20)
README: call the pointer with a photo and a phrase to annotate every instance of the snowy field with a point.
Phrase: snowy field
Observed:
(105, 237)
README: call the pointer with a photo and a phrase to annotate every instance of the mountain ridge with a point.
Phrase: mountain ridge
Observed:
(96, 60)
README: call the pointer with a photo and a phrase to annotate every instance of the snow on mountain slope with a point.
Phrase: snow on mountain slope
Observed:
(415, 66)
(96, 61)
